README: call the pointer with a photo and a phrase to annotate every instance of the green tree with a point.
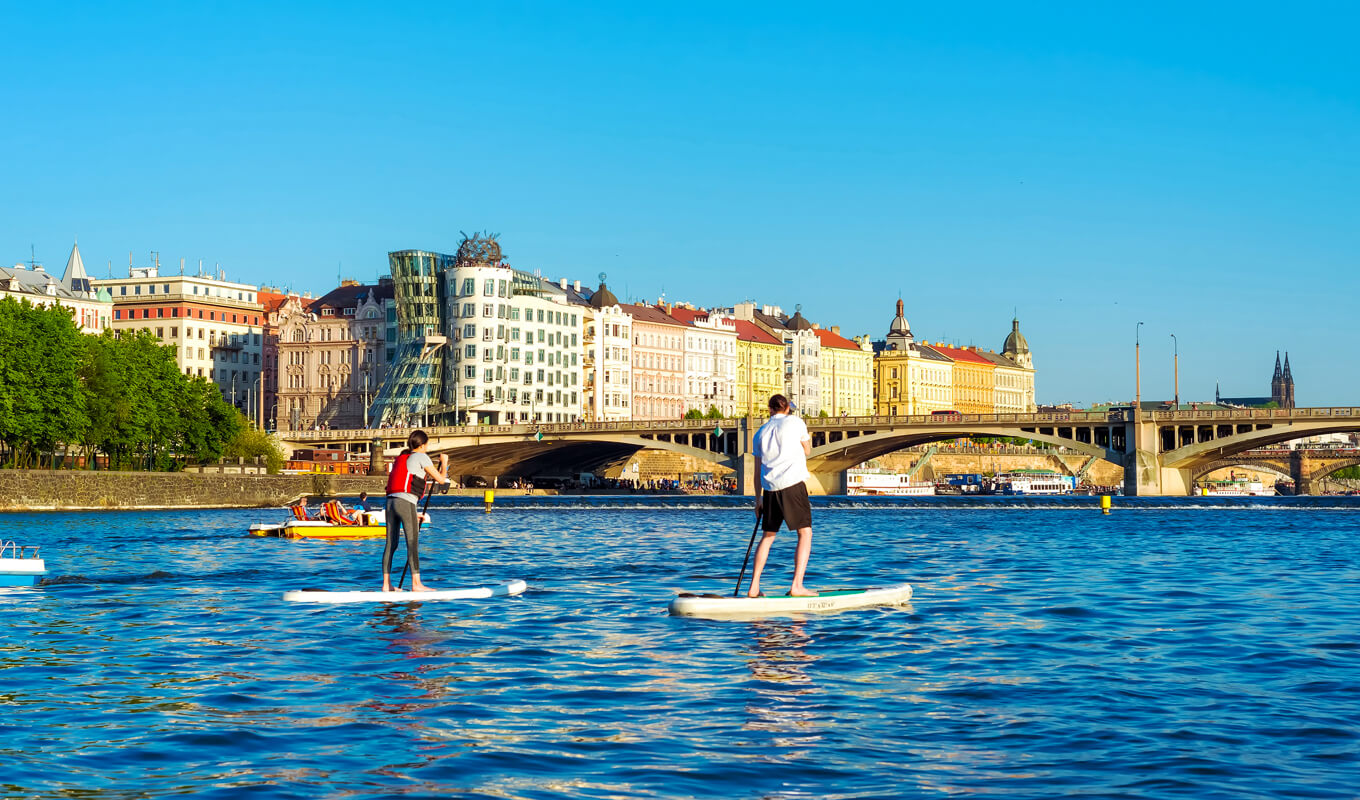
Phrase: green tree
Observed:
(693, 413)
(252, 443)
(713, 413)
(40, 387)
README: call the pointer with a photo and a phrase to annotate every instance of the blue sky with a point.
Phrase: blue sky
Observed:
(1088, 166)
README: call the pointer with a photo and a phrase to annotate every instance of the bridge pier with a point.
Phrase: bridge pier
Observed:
(746, 474)
(1144, 475)
(833, 482)
(1301, 470)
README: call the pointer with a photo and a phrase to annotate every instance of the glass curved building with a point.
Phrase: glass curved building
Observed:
(413, 391)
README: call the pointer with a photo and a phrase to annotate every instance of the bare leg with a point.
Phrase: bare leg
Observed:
(800, 563)
(387, 581)
(762, 552)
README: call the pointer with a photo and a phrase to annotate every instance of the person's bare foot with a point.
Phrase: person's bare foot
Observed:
(420, 587)
(387, 587)
(757, 594)
(802, 592)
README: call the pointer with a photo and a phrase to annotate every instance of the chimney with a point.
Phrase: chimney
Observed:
(563, 284)
(836, 329)
(576, 285)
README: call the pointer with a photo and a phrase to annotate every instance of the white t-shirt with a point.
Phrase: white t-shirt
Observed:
(779, 446)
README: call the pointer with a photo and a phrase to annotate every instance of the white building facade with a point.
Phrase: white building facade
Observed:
(608, 358)
(91, 307)
(710, 360)
(514, 347)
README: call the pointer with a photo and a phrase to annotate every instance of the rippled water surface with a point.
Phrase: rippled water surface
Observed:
(1191, 648)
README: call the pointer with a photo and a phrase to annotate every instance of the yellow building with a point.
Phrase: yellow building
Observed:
(909, 378)
(846, 374)
(760, 369)
(974, 381)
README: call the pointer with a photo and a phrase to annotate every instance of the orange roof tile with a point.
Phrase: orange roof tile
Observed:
(830, 339)
(751, 332)
(960, 354)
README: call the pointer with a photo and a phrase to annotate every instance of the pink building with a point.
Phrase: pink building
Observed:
(658, 363)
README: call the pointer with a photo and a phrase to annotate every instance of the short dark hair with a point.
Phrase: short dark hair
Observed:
(778, 404)
(416, 439)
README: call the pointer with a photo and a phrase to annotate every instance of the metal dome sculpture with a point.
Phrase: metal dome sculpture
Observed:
(478, 248)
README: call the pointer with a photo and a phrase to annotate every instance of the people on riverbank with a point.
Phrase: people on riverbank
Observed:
(782, 446)
(405, 484)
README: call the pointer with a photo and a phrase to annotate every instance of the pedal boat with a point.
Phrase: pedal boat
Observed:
(373, 526)
(20, 565)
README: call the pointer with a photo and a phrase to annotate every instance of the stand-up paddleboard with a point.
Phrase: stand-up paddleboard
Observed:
(717, 606)
(507, 589)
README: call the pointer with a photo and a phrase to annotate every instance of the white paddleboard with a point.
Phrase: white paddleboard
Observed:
(718, 606)
(507, 589)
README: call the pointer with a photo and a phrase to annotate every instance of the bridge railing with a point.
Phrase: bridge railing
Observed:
(833, 423)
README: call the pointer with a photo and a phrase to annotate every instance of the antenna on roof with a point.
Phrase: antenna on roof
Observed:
(32, 257)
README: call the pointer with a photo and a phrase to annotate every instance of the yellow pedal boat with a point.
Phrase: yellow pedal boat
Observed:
(374, 526)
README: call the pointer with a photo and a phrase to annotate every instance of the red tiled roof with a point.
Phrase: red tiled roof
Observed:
(687, 315)
(960, 354)
(751, 332)
(649, 314)
(830, 339)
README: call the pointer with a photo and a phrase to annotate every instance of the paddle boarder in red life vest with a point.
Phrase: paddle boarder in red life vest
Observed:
(405, 484)
(781, 448)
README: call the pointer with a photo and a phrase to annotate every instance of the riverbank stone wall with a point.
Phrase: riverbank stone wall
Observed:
(74, 490)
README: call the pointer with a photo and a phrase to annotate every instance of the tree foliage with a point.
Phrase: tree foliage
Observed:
(63, 392)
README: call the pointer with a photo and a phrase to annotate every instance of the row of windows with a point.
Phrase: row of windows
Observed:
(513, 395)
(498, 374)
(489, 334)
(131, 313)
(247, 297)
(512, 313)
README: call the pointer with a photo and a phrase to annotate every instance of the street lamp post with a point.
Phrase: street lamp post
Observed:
(258, 404)
(1176, 360)
(1137, 370)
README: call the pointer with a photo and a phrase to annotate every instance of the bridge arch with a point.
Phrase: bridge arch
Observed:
(1195, 456)
(845, 453)
(1256, 466)
(520, 455)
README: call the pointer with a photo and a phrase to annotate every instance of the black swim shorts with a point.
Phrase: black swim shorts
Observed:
(789, 505)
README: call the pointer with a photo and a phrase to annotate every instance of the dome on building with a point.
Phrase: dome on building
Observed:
(1015, 342)
(798, 322)
(602, 298)
(479, 249)
(899, 323)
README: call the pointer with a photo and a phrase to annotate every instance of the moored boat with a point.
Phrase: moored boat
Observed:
(871, 482)
(20, 565)
(1235, 487)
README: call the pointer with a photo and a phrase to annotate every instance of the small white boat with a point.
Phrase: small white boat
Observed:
(507, 589)
(717, 606)
(1033, 482)
(20, 565)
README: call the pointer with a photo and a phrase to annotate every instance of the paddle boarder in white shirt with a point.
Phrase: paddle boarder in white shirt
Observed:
(782, 446)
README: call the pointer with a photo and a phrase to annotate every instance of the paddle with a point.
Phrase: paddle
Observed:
(419, 519)
(759, 512)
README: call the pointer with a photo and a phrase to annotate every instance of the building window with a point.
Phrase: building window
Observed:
(469, 287)
(489, 288)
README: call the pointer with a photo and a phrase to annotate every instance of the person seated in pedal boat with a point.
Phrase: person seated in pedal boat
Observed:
(361, 508)
(781, 448)
(405, 484)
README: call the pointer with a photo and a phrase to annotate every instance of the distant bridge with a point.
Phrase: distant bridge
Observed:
(1306, 467)
(1162, 452)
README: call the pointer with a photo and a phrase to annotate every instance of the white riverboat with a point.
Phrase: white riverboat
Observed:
(886, 483)
(20, 565)
(1235, 487)
(1033, 482)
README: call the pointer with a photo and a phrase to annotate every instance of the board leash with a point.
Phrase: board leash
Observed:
(760, 512)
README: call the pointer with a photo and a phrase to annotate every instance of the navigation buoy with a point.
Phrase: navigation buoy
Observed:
(488, 497)
(1104, 504)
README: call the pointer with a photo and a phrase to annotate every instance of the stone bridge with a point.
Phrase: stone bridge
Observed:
(1161, 451)
(1306, 467)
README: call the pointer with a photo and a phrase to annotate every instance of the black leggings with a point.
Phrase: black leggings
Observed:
(402, 513)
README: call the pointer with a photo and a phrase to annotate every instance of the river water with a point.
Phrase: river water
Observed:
(1194, 648)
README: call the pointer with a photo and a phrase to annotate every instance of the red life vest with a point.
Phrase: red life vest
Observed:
(402, 481)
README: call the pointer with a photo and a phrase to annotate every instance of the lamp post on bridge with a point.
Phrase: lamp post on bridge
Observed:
(1137, 371)
(1176, 360)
